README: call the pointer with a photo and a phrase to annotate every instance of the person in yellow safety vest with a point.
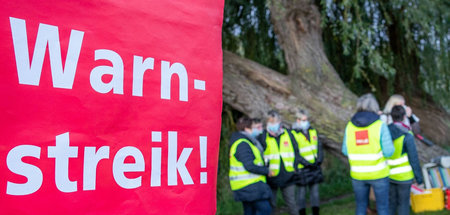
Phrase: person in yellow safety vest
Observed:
(280, 154)
(404, 164)
(311, 157)
(247, 170)
(367, 143)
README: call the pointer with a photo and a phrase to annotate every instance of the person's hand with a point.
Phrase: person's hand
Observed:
(408, 111)
(271, 173)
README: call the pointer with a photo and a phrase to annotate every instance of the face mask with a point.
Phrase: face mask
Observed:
(304, 125)
(273, 127)
(296, 125)
(256, 132)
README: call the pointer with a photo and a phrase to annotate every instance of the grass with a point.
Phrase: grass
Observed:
(337, 178)
(447, 147)
(337, 184)
(347, 206)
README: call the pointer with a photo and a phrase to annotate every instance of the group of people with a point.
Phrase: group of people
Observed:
(379, 145)
(263, 161)
(382, 154)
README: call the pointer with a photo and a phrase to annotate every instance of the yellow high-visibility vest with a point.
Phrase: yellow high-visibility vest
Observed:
(400, 168)
(239, 176)
(274, 154)
(364, 152)
(308, 149)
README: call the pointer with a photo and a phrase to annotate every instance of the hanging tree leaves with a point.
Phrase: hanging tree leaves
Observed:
(390, 46)
(247, 31)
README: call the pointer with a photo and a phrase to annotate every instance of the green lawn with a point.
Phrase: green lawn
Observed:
(347, 205)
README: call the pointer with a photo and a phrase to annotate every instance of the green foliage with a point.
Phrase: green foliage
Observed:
(336, 176)
(404, 43)
(247, 31)
(225, 202)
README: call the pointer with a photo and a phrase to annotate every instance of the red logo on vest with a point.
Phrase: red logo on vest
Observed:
(314, 137)
(286, 143)
(362, 137)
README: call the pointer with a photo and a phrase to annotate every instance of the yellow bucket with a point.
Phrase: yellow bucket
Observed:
(430, 200)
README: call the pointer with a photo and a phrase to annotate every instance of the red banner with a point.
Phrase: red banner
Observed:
(110, 107)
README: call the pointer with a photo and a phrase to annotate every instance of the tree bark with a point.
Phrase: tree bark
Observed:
(253, 89)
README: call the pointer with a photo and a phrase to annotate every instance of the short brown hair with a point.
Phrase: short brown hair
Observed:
(243, 122)
(397, 113)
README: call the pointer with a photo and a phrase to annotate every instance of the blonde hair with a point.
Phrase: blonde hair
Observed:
(367, 102)
(392, 101)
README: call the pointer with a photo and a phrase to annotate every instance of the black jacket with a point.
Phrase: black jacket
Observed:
(244, 154)
(284, 178)
(410, 148)
(311, 173)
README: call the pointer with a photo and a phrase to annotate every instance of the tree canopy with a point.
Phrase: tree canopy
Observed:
(247, 31)
(381, 46)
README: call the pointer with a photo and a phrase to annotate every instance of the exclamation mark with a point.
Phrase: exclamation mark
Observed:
(203, 147)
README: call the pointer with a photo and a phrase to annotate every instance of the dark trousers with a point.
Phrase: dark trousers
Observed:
(288, 196)
(399, 198)
(261, 207)
(313, 195)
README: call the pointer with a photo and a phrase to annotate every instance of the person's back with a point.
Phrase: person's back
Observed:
(367, 143)
(404, 164)
(365, 155)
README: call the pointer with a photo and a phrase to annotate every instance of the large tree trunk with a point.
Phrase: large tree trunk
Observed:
(312, 82)
(254, 89)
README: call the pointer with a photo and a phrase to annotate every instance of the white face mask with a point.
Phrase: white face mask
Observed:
(256, 132)
(273, 127)
(304, 125)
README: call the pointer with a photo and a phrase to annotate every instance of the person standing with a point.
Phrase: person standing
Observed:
(404, 164)
(281, 153)
(367, 143)
(311, 157)
(247, 170)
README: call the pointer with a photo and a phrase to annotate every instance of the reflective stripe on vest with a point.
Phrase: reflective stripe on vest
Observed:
(399, 164)
(364, 152)
(244, 177)
(239, 176)
(365, 157)
(274, 154)
(308, 149)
